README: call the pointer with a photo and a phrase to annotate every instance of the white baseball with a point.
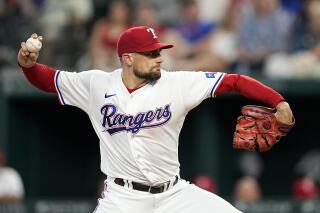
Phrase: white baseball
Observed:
(33, 45)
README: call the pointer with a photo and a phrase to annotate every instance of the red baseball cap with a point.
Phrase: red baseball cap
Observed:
(139, 39)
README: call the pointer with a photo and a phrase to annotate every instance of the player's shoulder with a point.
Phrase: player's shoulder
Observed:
(89, 75)
(100, 74)
(175, 77)
(84, 72)
(173, 73)
(191, 73)
(180, 78)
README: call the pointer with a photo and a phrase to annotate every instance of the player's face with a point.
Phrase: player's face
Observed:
(146, 65)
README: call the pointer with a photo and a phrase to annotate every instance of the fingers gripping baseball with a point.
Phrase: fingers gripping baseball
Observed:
(258, 129)
(29, 51)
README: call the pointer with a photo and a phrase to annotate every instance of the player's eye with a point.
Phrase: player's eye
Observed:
(151, 54)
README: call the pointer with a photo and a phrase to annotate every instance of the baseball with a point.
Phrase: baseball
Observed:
(33, 45)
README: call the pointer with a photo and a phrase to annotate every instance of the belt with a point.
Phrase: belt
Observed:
(145, 188)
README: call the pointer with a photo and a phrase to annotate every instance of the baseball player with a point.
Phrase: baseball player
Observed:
(137, 111)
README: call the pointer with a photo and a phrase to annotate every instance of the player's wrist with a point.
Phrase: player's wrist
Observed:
(25, 65)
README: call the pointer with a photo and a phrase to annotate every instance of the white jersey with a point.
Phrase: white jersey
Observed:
(138, 132)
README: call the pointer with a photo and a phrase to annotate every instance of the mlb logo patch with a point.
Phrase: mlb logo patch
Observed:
(210, 75)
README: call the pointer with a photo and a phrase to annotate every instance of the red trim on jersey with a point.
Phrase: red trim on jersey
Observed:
(132, 90)
(249, 88)
(41, 76)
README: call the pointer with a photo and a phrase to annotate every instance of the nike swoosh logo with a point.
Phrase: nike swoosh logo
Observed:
(108, 96)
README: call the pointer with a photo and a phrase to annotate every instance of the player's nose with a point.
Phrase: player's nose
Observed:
(159, 59)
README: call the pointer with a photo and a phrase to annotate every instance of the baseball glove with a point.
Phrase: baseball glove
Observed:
(258, 129)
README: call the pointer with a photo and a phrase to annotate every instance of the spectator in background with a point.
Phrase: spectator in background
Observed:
(191, 36)
(305, 43)
(305, 188)
(263, 30)
(146, 15)
(63, 23)
(213, 10)
(223, 43)
(306, 30)
(303, 60)
(206, 182)
(294, 6)
(105, 34)
(247, 189)
(250, 164)
(307, 171)
(18, 14)
(15, 20)
(309, 165)
(11, 186)
(58, 14)
(167, 11)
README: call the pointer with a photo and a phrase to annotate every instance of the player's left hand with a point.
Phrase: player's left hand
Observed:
(284, 113)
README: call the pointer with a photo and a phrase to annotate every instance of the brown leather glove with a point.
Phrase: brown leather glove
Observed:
(258, 129)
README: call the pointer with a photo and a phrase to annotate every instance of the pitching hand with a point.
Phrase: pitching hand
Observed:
(25, 58)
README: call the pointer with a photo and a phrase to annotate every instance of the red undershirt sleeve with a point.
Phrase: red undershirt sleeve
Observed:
(41, 76)
(249, 88)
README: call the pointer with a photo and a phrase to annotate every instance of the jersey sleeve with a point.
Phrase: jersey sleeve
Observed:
(197, 86)
(74, 88)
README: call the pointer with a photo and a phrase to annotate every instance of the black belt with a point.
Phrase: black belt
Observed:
(145, 188)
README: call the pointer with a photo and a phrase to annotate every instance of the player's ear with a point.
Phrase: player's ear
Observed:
(127, 59)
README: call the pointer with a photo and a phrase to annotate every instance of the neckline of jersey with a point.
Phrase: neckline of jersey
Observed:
(130, 91)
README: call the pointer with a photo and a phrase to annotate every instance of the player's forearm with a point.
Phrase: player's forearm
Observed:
(41, 76)
(249, 88)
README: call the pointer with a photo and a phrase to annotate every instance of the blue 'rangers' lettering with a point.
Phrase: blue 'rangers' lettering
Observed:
(115, 122)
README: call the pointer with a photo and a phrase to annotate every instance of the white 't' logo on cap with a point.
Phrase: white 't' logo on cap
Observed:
(152, 31)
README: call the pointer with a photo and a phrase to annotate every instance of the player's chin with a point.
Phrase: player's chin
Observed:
(154, 75)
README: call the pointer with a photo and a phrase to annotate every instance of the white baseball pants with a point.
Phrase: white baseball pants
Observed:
(181, 198)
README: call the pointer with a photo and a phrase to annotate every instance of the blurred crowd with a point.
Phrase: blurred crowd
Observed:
(247, 188)
(275, 38)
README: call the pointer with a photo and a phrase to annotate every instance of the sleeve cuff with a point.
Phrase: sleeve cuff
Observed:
(56, 80)
(216, 84)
